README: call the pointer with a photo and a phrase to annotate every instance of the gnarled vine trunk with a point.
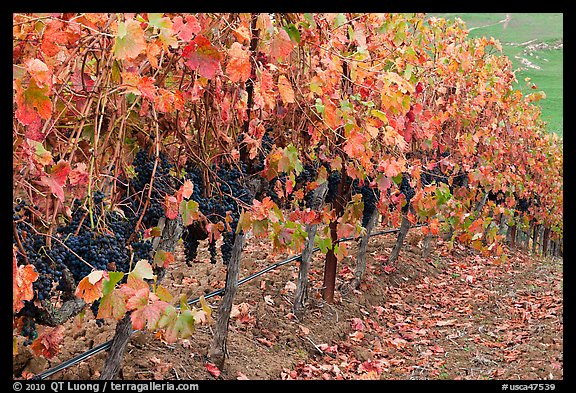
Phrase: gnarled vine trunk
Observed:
(301, 295)
(217, 352)
(404, 227)
(361, 255)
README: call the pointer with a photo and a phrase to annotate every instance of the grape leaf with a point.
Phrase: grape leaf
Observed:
(163, 294)
(285, 90)
(90, 287)
(53, 38)
(22, 278)
(43, 156)
(171, 206)
(187, 188)
(281, 46)
(48, 343)
(190, 211)
(238, 68)
(146, 309)
(355, 144)
(32, 105)
(203, 57)
(129, 41)
(176, 325)
(78, 176)
(142, 270)
(212, 369)
(163, 258)
(55, 181)
(109, 284)
(185, 31)
(39, 72)
(112, 305)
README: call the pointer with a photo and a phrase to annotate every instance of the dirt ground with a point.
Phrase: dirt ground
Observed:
(454, 315)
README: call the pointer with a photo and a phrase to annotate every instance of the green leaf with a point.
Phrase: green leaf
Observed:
(142, 270)
(324, 243)
(189, 211)
(156, 20)
(112, 305)
(310, 19)
(108, 285)
(163, 294)
(408, 72)
(340, 20)
(177, 326)
(293, 32)
(379, 114)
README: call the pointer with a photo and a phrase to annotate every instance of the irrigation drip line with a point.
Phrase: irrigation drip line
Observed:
(107, 344)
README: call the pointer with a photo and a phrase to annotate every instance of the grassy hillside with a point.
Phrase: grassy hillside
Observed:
(534, 43)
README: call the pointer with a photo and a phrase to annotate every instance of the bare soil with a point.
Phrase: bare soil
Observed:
(454, 315)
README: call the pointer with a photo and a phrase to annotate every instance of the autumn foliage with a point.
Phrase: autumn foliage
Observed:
(376, 96)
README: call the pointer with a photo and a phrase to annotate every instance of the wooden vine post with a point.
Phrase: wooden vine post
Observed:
(301, 295)
(217, 352)
(171, 233)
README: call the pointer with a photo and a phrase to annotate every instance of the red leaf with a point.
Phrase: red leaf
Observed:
(55, 181)
(79, 176)
(358, 324)
(171, 205)
(238, 68)
(53, 35)
(212, 369)
(32, 105)
(355, 144)
(48, 343)
(203, 57)
(185, 31)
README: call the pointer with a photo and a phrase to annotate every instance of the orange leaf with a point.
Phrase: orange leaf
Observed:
(129, 41)
(90, 287)
(22, 279)
(281, 46)
(285, 89)
(238, 68)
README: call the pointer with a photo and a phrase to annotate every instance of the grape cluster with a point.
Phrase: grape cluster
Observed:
(370, 197)
(95, 237)
(333, 181)
(144, 166)
(228, 195)
(29, 330)
(497, 197)
(407, 190)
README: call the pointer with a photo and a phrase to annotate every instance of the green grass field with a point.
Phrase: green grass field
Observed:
(533, 41)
